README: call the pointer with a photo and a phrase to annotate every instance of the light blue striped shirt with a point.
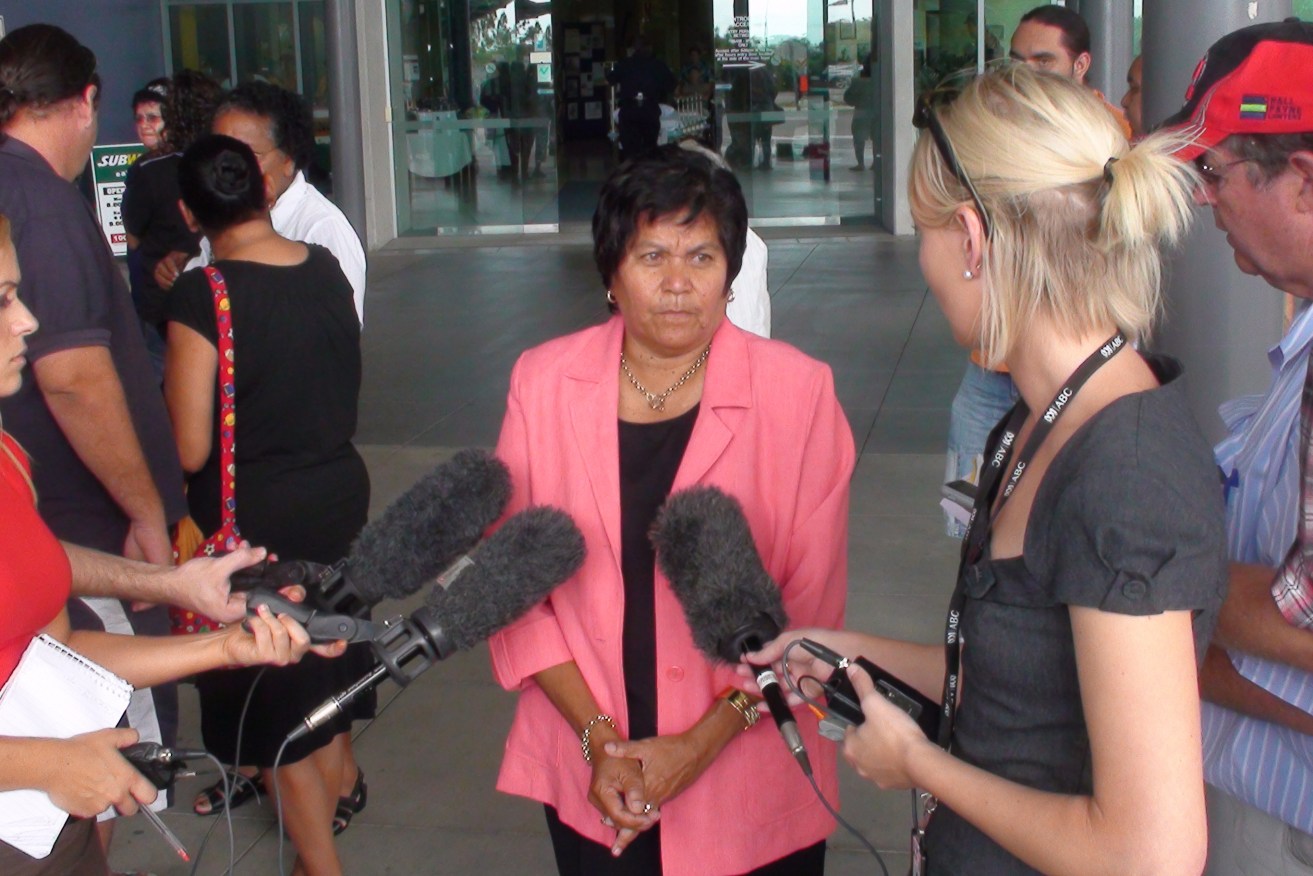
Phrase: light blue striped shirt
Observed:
(1267, 766)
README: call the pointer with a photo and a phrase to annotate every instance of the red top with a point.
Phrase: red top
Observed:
(35, 577)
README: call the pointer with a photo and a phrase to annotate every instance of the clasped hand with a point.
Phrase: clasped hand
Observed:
(632, 779)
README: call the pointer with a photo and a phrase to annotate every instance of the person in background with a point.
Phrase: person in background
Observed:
(644, 82)
(861, 95)
(1094, 567)
(278, 126)
(151, 217)
(1256, 172)
(302, 489)
(695, 66)
(1057, 40)
(605, 423)
(147, 112)
(1132, 100)
(148, 121)
(92, 416)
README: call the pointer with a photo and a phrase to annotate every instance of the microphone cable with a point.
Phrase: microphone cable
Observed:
(813, 704)
(229, 787)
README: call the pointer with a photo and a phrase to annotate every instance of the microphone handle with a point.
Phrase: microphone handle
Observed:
(333, 706)
(769, 683)
(322, 626)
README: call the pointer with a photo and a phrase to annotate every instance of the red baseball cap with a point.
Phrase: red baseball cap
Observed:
(1256, 80)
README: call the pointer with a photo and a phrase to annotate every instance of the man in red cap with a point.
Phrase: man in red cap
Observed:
(1249, 111)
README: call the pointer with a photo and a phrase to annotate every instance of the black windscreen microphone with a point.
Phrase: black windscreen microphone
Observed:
(510, 572)
(705, 548)
(421, 533)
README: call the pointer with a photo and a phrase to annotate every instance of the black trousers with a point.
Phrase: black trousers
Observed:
(576, 855)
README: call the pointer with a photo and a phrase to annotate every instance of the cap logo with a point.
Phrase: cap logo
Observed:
(1253, 106)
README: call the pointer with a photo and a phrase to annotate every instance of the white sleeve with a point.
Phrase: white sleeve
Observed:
(749, 308)
(337, 236)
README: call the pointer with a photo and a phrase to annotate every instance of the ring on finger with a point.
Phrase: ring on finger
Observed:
(647, 807)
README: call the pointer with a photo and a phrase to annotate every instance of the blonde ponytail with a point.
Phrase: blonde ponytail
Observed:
(1078, 217)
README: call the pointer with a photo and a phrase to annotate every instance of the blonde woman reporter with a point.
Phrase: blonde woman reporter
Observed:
(1094, 568)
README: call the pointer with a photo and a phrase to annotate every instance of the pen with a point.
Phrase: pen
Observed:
(168, 835)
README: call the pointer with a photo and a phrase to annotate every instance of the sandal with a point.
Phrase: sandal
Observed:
(348, 806)
(243, 789)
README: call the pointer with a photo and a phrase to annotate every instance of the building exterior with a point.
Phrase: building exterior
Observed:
(486, 116)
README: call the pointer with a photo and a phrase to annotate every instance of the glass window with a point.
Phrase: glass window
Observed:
(473, 115)
(199, 40)
(1304, 9)
(314, 52)
(266, 44)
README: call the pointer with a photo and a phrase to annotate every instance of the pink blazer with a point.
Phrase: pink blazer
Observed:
(769, 432)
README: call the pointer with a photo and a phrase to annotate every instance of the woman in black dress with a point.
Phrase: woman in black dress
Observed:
(302, 489)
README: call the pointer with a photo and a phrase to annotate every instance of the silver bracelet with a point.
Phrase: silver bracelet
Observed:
(586, 737)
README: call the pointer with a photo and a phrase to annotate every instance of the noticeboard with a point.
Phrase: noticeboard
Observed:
(109, 169)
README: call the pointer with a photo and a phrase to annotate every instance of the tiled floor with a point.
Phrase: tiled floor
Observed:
(443, 329)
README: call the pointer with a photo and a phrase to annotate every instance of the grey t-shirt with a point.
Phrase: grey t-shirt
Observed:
(78, 295)
(1128, 519)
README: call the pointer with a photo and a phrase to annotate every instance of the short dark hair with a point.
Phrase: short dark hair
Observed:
(220, 181)
(1075, 32)
(189, 111)
(42, 65)
(155, 91)
(668, 181)
(291, 124)
(1270, 153)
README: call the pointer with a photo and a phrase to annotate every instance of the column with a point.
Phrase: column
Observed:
(1112, 31)
(897, 136)
(345, 112)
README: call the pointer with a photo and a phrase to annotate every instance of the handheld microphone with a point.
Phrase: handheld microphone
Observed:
(513, 570)
(421, 533)
(705, 548)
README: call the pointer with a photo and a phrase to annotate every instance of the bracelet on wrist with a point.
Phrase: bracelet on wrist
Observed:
(586, 737)
(743, 704)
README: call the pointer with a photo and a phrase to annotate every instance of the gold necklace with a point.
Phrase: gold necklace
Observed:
(657, 402)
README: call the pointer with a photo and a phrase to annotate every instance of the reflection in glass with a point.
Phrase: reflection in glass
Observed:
(790, 92)
(474, 112)
(199, 40)
(266, 44)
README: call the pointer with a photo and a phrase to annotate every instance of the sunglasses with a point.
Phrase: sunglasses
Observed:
(926, 119)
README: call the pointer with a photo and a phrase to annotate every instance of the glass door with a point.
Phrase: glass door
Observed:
(473, 116)
(798, 107)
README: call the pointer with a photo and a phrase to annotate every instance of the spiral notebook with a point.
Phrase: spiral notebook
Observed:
(54, 692)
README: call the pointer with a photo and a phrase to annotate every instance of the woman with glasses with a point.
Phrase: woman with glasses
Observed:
(1092, 572)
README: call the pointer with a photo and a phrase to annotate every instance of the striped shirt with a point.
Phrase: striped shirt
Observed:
(1262, 764)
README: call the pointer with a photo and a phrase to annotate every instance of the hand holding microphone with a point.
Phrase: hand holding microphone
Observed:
(514, 569)
(443, 515)
(705, 548)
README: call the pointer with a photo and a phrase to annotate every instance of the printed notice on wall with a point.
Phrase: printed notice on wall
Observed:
(109, 168)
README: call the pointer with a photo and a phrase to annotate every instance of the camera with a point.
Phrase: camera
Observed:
(843, 708)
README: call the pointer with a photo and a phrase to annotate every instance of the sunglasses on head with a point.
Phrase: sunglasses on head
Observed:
(926, 119)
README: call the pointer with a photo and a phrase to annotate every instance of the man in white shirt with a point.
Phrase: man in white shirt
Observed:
(277, 125)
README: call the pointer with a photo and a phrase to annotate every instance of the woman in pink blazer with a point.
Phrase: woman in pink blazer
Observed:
(642, 750)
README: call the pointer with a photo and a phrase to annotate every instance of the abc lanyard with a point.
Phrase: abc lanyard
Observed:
(973, 545)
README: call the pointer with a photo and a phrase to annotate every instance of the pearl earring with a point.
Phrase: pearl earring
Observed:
(968, 275)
